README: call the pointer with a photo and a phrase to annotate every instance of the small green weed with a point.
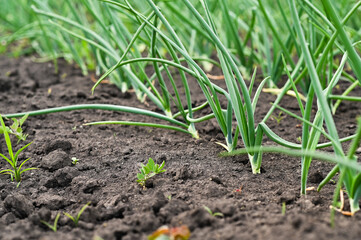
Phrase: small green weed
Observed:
(55, 224)
(74, 160)
(16, 171)
(283, 208)
(279, 117)
(16, 128)
(214, 214)
(76, 218)
(148, 171)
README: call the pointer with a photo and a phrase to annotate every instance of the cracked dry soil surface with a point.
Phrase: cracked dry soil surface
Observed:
(110, 156)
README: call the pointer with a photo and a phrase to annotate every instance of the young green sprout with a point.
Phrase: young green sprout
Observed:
(15, 172)
(149, 170)
(74, 160)
(279, 117)
(55, 224)
(76, 218)
(16, 128)
(214, 214)
(283, 208)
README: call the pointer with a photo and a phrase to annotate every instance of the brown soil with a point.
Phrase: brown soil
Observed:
(110, 157)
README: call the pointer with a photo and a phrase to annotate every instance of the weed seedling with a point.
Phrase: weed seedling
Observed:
(214, 214)
(76, 219)
(279, 117)
(74, 160)
(16, 128)
(55, 225)
(16, 171)
(283, 208)
(148, 171)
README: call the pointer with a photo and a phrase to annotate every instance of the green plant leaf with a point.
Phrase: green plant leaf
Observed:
(21, 149)
(7, 140)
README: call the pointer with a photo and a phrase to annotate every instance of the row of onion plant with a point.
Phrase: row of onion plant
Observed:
(314, 43)
(313, 65)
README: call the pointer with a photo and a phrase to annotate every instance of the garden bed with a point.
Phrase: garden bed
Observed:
(110, 157)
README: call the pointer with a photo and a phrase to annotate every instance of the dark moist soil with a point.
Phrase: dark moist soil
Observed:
(110, 157)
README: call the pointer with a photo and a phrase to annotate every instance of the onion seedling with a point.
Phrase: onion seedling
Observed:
(16, 171)
(352, 178)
